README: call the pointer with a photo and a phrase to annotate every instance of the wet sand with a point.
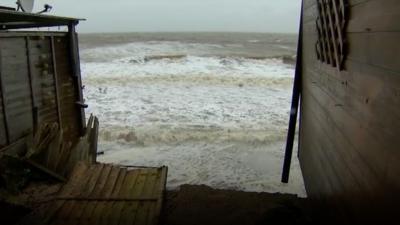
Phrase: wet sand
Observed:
(202, 205)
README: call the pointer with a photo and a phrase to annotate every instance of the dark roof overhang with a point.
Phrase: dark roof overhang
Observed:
(20, 20)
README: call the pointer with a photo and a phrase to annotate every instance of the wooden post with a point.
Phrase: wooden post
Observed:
(74, 49)
(35, 113)
(294, 107)
(5, 115)
(55, 78)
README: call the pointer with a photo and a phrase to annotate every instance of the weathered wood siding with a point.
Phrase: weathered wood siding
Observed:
(37, 85)
(15, 81)
(350, 119)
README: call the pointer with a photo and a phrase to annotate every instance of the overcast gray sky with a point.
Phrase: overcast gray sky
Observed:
(179, 15)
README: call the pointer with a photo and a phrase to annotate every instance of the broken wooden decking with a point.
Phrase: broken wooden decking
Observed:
(106, 194)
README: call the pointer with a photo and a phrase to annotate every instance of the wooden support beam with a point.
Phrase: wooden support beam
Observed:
(4, 100)
(45, 170)
(74, 48)
(94, 140)
(55, 78)
(35, 114)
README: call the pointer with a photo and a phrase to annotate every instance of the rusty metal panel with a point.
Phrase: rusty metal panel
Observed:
(106, 194)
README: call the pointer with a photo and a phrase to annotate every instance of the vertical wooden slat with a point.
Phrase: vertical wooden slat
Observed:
(325, 30)
(135, 186)
(160, 191)
(100, 214)
(4, 100)
(333, 35)
(35, 114)
(74, 48)
(55, 78)
(321, 43)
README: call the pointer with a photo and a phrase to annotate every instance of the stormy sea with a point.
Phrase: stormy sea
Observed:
(213, 107)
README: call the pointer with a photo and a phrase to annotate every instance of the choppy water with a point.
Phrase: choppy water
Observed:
(214, 108)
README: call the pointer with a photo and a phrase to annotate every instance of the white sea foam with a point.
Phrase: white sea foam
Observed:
(141, 49)
(214, 120)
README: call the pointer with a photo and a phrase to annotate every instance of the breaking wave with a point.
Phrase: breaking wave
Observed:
(215, 114)
(287, 59)
(192, 79)
(143, 49)
(196, 69)
(167, 134)
(142, 52)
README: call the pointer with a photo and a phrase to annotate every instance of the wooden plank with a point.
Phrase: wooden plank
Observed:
(349, 165)
(108, 216)
(67, 91)
(365, 89)
(64, 154)
(86, 206)
(31, 86)
(101, 210)
(143, 187)
(122, 208)
(375, 16)
(4, 100)
(375, 49)
(135, 186)
(72, 210)
(158, 190)
(94, 140)
(89, 214)
(328, 179)
(55, 78)
(366, 97)
(18, 106)
(329, 196)
(77, 73)
(79, 178)
(60, 209)
(354, 130)
(45, 170)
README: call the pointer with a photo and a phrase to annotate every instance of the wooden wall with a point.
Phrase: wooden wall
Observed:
(37, 86)
(350, 119)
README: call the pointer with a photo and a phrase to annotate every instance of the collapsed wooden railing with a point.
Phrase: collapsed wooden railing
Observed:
(50, 154)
